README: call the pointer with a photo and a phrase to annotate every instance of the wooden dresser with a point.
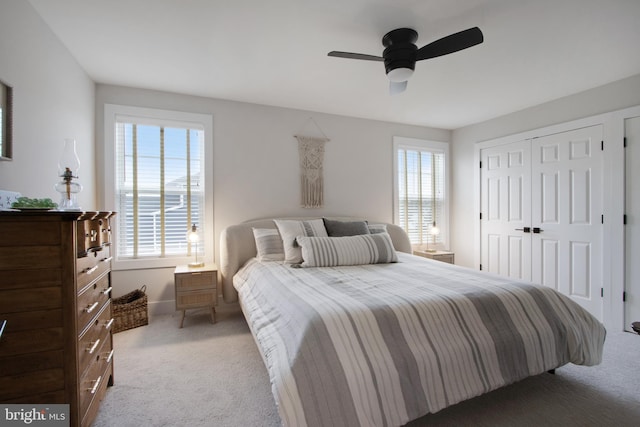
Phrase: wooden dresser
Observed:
(55, 296)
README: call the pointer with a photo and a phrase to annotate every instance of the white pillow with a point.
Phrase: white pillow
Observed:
(349, 250)
(268, 244)
(290, 229)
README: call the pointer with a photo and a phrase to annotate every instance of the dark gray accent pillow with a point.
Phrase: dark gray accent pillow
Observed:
(345, 228)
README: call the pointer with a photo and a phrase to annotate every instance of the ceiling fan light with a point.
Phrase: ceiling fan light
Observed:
(399, 74)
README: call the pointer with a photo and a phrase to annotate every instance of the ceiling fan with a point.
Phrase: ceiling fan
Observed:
(401, 53)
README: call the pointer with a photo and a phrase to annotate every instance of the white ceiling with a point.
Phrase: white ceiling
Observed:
(274, 52)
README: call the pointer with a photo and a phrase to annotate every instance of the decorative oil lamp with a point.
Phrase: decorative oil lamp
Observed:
(68, 166)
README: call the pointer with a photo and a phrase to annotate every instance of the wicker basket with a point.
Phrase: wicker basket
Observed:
(130, 310)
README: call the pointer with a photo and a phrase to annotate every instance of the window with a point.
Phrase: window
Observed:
(158, 163)
(6, 126)
(420, 185)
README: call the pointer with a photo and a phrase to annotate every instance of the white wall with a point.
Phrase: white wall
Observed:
(53, 100)
(256, 170)
(614, 96)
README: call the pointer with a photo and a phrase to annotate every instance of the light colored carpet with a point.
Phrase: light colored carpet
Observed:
(213, 375)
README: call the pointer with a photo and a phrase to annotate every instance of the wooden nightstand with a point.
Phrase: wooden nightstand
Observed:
(196, 287)
(444, 256)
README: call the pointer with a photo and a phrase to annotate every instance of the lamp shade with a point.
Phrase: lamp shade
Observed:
(399, 74)
(193, 238)
(192, 234)
(69, 163)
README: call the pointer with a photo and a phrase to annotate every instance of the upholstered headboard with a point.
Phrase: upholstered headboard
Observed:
(237, 246)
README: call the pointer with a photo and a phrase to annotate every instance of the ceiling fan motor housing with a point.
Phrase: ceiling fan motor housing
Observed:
(400, 49)
(401, 53)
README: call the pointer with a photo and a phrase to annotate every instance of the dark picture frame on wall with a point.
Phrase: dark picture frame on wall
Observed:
(6, 121)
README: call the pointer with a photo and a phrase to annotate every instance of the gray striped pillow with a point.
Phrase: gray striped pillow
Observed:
(268, 244)
(348, 250)
(290, 229)
(377, 228)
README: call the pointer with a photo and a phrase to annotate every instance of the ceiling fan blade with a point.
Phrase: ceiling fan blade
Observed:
(397, 87)
(350, 55)
(451, 44)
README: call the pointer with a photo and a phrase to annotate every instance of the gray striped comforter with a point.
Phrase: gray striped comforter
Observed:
(380, 345)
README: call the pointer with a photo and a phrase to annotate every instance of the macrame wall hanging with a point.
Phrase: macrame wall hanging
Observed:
(311, 152)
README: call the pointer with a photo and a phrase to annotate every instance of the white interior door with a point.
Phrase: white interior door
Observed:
(632, 229)
(541, 207)
(506, 210)
(566, 214)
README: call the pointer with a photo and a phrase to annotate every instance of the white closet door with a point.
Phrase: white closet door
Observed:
(632, 229)
(566, 208)
(506, 210)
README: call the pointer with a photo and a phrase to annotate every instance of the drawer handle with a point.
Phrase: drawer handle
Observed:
(2, 325)
(93, 389)
(107, 259)
(91, 307)
(109, 323)
(93, 347)
(110, 356)
(107, 290)
(91, 270)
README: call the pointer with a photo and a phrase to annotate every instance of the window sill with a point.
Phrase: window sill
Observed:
(151, 263)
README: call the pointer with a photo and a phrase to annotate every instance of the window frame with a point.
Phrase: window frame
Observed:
(400, 142)
(167, 118)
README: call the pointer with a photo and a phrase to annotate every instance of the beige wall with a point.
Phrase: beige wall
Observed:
(256, 169)
(53, 100)
(255, 154)
(614, 96)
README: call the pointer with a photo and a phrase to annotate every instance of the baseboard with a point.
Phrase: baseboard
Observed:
(157, 308)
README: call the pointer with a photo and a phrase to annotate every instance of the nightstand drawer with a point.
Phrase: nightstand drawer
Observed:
(199, 298)
(442, 256)
(195, 280)
(196, 287)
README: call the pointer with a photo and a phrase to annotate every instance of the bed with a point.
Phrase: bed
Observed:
(380, 344)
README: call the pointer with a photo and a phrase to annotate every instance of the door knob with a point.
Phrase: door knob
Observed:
(525, 229)
(537, 230)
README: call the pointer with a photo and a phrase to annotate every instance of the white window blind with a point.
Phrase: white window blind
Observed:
(158, 188)
(421, 199)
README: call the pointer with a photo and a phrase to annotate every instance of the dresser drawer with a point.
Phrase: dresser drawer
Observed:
(30, 341)
(94, 337)
(195, 280)
(91, 412)
(91, 300)
(95, 379)
(25, 300)
(92, 266)
(22, 387)
(92, 234)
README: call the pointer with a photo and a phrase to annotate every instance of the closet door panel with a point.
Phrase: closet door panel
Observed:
(506, 210)
(549, 260)
(567, 207)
